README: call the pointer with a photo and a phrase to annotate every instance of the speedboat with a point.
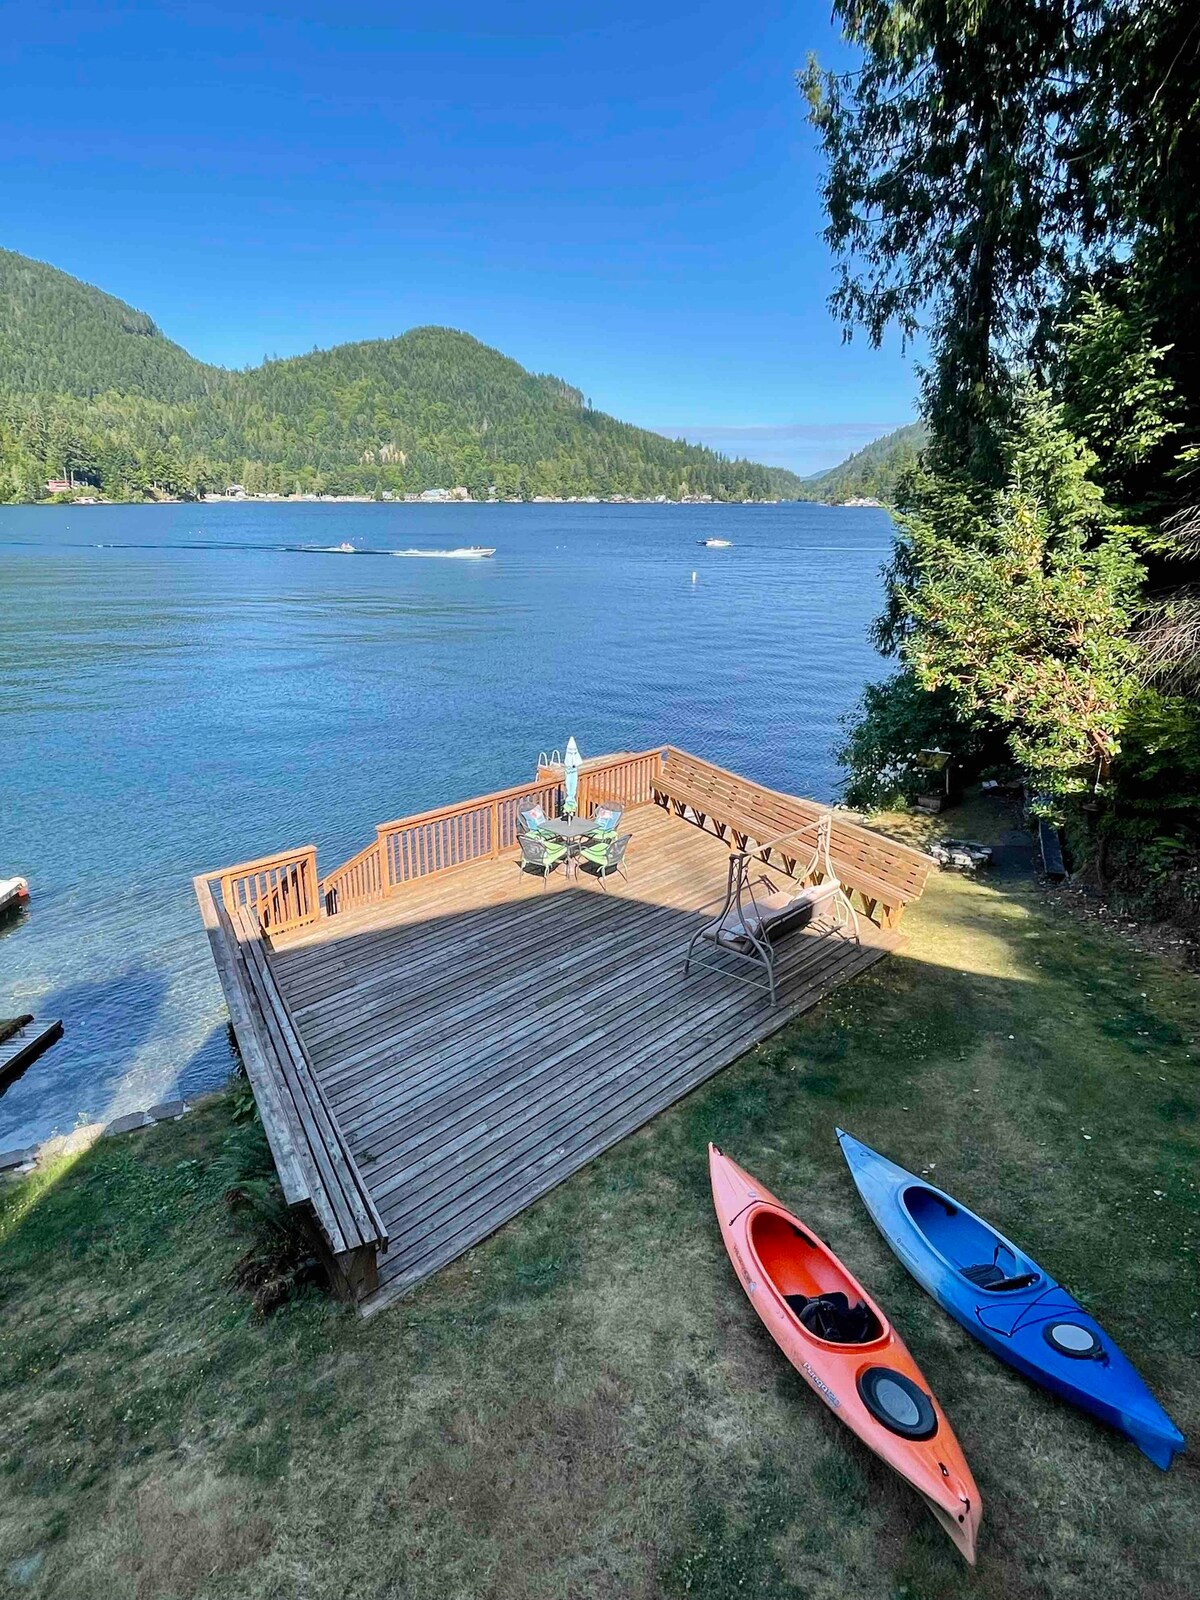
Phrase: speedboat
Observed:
(716, 544)
(471, 552)
(13, 893)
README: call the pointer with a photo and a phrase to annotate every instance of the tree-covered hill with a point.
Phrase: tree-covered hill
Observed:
(61, 336)
(870, 473)
(91, 390)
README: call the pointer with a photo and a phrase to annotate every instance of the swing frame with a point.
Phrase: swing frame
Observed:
(760, 927)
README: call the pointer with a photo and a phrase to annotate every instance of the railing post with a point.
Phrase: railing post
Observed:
(311, 897)
(495, 826)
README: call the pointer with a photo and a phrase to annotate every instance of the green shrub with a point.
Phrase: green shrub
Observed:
(892, 722)
(1149, 839)
(280, 1256)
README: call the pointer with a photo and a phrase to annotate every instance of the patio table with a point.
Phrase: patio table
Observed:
(572, 831)
(569, 829)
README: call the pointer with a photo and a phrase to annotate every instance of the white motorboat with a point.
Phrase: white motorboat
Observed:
(471, 552)
(13, 893)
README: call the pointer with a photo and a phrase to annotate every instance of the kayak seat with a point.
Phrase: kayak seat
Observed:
(989, 1276)
(832, 1317)
(984, 1275)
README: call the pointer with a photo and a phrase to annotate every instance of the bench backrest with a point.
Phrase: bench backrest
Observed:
(862, 858)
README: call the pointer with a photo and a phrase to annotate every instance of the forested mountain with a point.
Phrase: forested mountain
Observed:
(872, 472)
(60, 336)
(91, 390)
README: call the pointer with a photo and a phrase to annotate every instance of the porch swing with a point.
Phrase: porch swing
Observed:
(752, 920)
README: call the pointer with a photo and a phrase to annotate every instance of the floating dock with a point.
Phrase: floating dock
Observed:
(22, 1041)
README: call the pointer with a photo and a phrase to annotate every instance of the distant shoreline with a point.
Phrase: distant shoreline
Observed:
(416, 500)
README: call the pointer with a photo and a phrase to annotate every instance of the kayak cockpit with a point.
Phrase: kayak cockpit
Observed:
(978, 1253)
(820, 1294)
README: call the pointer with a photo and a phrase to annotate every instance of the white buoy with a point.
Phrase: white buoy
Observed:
(693, 577)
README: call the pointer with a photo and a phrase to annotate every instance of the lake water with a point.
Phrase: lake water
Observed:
(178, 692)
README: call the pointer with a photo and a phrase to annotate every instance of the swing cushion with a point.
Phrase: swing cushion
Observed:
(778, 912)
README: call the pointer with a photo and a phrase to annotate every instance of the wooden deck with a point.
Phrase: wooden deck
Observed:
(480, 1039)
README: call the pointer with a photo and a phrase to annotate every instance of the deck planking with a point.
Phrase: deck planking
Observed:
(480, 1039)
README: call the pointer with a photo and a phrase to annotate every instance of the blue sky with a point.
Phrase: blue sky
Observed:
(625, 195)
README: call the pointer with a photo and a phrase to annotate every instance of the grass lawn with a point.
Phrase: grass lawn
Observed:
(586, 1405)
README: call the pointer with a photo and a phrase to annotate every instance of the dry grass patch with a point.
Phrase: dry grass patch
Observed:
(175, 1537)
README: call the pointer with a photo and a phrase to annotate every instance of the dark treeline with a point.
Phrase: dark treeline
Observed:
(1020, 180)
(91, 391)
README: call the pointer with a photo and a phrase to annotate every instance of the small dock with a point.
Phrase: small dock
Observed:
(435, 1039)
(22, 1041)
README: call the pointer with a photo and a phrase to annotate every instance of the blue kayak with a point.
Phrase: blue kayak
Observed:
(1007, 1301)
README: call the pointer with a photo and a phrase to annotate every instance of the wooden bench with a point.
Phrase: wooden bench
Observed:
(881, 874)
(316, 1168)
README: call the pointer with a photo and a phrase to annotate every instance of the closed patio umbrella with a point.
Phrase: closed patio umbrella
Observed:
(571, 764)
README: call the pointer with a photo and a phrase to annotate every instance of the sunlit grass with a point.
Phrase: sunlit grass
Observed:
(21, 1198)
(585, 1406)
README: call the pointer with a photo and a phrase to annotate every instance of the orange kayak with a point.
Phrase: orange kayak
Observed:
(843, 1346)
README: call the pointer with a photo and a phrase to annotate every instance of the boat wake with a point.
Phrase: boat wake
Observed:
(474, 552)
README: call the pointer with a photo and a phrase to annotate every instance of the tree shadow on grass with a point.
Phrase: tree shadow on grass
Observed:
(109, 1176)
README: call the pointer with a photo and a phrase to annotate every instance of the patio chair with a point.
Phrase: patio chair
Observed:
(607, 819)
(540, 855)
(530, 815)
(605, 856)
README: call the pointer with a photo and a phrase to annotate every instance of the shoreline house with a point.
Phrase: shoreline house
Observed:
(59, 486)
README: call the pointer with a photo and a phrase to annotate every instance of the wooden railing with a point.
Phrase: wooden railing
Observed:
(428, 843)
(282, 890)
(883, 872)
(357, 882)
(450, 836)
(432, 842)
(627, 780)
(285, 893)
